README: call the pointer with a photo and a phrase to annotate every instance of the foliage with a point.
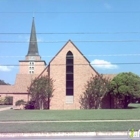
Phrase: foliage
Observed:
(20, 102)
(125, 87)
(3, 83)
(30, 105)
(41, 91)
(95, 90)
(8, 100)
(2, 99)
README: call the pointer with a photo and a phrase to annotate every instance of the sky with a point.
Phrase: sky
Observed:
(107, 32)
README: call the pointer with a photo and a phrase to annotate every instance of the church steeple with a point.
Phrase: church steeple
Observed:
(32, 63)
(33, 47)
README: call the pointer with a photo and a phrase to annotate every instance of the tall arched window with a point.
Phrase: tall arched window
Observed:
(69, 74)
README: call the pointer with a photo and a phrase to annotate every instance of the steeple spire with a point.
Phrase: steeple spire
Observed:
(33, 47)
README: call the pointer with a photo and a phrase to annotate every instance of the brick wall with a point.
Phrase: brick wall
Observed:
(82, 73)
(16, 97)
(38, 67)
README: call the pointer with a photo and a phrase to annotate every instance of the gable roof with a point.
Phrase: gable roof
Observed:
(77, 50)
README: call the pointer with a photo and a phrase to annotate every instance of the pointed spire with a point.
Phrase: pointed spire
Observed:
(33, 47)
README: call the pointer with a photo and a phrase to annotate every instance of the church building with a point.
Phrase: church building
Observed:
(69, 72)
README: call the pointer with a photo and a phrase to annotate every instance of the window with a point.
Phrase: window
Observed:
(69, 84)
(31, 71)
(69, 91)
(31, 67)
(69, 69)
(69, 74)
(31, 63)
(69, 77)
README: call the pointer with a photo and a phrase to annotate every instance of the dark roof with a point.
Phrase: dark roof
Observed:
(78, 51)
(33, 47)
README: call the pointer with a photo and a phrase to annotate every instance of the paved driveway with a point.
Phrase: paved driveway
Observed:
(6, 108)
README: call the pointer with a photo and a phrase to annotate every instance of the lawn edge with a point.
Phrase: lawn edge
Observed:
(116, 133)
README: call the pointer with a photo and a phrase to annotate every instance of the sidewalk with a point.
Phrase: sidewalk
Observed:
(64, 134)
(69, 121)
(6, 108)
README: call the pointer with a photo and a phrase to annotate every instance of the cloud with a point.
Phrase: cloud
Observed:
(6, 68)
(39, 40)
(27, 38)
(107, 6)
(102, 64)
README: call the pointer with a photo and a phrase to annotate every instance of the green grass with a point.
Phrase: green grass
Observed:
(100, 114)
(68, 127)
(3, 106)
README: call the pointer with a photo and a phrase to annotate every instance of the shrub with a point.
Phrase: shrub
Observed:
(2, 100)
(30, 105)
(20, 102)
(8, 100)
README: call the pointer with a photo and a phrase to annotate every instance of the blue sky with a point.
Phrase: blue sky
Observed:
(67, 16)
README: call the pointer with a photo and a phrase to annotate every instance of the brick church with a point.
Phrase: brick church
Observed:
(70, 74)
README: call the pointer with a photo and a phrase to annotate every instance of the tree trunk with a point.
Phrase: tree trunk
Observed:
(48, 103)
(42, 105)
(99, 103)
(126, 101)
(90, 105)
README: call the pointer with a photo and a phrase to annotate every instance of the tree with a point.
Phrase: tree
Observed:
(41, 91)
(3, 83)
(125, 87)
(95, 90)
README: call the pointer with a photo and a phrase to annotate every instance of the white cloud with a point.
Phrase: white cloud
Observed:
(102, 64)
(27, 38)
(39, 40)
(22, 37)
(6, 68)
(107, 6)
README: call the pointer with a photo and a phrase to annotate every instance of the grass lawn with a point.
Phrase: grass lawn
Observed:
(55, 115)
(69, 127)
(52, 115)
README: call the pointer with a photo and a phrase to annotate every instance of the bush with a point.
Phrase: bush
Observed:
(30, 105)
(2, 100)
(8, 100)
(20, 102)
